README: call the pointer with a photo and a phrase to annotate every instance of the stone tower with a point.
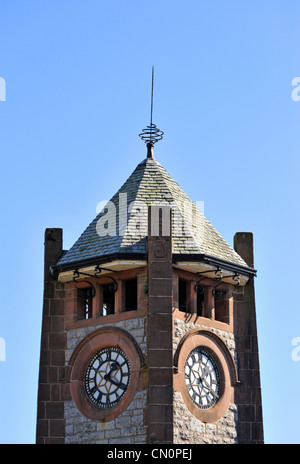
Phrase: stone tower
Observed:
(149, 326)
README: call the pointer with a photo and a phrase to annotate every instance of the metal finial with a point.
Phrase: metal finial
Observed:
(152, 95)
(151, 134)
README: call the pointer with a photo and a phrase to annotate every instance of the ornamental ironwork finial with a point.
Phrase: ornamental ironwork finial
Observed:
(151, 134)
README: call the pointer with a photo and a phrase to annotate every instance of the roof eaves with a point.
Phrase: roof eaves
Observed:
(212, 260)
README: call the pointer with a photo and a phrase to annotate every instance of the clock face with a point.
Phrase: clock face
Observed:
(202, 378)
(107, 377)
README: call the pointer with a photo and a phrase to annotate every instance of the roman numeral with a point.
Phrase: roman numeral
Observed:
(99, 397)
(93, 390)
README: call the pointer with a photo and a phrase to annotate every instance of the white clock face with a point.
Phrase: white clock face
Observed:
(202, 378)
(107, 377)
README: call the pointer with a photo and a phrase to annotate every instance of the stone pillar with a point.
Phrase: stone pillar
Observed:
(248, 394)
(50, 412)
(159, 335)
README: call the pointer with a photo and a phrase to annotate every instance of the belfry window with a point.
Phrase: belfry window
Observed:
(131, 295)
(108, 300)
(200, 301)
(182, 295)
(84, 302)
(221, 306)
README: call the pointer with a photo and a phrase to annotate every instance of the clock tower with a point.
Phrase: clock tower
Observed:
(149, 326)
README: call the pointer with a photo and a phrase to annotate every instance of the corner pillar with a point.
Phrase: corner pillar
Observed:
(248, 394)
(50, 411)
(160, 372)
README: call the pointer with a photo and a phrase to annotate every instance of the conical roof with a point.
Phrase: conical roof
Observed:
(120, 230)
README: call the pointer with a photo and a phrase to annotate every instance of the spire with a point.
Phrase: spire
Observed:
(151, 134)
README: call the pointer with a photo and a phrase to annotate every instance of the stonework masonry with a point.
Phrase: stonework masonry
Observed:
(189, 430)
(182, 327)
(128, 428)
(136, 327)
(51, 393)
(248, 394)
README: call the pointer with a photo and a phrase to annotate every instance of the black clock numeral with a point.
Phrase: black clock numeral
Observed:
(187, 375)
(196, 398)
(99, 399)
(93, 390)
(118, 397)
(193, 357)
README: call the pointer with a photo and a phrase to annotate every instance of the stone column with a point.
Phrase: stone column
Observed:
(248, 394)
(160, 372)
(50, 411)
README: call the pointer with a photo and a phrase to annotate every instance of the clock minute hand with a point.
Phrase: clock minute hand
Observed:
(208, 387)
(113, 381)
(206, 371)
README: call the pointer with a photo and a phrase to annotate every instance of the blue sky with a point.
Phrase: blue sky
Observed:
(78, 79)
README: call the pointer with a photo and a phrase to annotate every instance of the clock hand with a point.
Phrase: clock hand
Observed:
(206, 371)
(208, 387)
(113, 381)
(114, 367)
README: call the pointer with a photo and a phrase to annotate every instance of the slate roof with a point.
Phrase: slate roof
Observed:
(150, 183)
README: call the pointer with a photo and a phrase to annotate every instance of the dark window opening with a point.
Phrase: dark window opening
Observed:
(108, 300)
(131, 295)
(182, 295)
(200, 301)
(221, 306)
(84, 303)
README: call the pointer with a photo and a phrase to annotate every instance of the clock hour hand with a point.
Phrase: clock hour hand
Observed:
(114, 367)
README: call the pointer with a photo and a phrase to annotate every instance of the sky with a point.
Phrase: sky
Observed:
(75, 85)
